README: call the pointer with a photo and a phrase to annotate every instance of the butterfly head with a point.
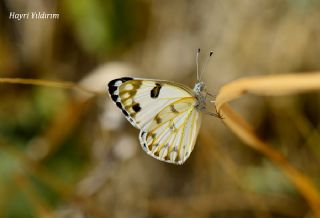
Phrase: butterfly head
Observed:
(199, 87)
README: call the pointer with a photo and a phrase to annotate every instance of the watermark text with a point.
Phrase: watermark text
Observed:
(33, 15)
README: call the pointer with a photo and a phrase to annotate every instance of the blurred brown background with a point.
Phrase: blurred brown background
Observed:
(66, 154)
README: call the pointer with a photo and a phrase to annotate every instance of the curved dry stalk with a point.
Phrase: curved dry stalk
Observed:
(270, 86)
(47, 83)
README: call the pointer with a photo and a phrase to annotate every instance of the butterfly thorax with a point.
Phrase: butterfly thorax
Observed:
(199, 90)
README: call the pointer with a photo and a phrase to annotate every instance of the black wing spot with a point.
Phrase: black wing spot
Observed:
(155, 91)
(114, 97)
(119, 105)
(136, 107)
(125, 112)
(153, 136)
(173, 109)
(158, 119)
(172, 127)
(112, 88)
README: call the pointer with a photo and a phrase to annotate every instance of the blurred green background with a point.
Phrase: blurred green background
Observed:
(66, 154)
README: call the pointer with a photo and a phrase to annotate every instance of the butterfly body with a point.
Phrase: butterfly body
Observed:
(198, 89)
(168, 114)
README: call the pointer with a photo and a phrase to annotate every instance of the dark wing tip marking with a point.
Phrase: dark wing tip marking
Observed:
(112, 88)
(114, 97)
(112, 85)
(125, 79)
(119, 105)
(125, 112)
(122, 79)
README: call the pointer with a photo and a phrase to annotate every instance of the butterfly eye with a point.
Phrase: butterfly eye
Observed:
(199, 87)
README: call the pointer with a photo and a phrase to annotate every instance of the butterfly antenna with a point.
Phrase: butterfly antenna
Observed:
(197, 62)
(205, 65)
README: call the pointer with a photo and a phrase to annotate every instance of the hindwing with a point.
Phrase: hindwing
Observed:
(172, 134)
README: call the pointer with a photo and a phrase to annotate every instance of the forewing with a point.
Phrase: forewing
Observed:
(140, 100)
(172, 134)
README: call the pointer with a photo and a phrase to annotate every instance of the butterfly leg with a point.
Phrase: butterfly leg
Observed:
(213, 114)
(212, 96)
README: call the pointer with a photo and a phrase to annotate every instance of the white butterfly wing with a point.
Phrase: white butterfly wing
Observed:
(172, 134)
(141, 99)
(162, 110)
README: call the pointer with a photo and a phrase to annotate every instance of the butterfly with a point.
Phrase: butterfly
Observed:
(168, 114)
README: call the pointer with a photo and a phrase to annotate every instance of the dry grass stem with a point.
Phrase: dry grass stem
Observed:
(270, 86)
(47, 83)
